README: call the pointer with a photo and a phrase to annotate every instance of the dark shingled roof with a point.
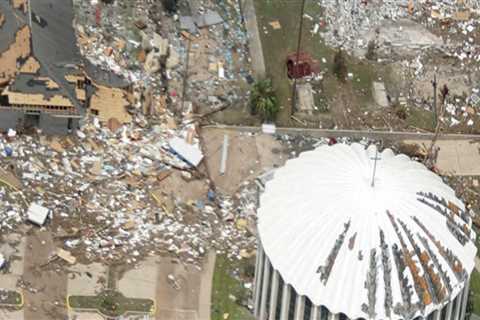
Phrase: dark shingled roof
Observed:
(9, 27)
(54, 45)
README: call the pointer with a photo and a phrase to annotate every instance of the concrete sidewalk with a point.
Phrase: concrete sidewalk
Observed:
(456, 157)
(254, 41)
(14, 247)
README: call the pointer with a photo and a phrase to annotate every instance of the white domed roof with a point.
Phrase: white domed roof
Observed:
(349, 246)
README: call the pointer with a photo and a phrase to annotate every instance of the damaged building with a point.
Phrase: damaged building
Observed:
(44, 83)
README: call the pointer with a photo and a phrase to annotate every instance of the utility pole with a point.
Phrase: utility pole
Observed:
(240, 5)
(429, 160)
(435, 111)
(300, 31)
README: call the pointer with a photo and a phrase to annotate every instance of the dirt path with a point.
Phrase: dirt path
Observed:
(247, 157)
(47, 302)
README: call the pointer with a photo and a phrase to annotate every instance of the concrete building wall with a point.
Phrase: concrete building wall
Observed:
(10, 119)
(291, 306)
(57, 125)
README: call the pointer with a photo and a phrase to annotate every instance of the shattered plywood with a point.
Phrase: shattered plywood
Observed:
(19, 98)
(275, 25)
(109, 103)
(49, 83)
(66, 256)
(20, 49)
(461, 15)
(74, 78)
(30, 66)
(10, 179)
(79, 92)
(20, 4)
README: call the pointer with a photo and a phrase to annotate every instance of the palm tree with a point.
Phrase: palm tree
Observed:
(263, 100)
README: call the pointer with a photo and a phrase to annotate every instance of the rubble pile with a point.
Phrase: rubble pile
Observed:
(98, 187)
(446, 25)
(140, 41)
(347, 21)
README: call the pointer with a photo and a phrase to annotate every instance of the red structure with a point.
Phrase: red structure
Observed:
(98, 14)
(306, 65)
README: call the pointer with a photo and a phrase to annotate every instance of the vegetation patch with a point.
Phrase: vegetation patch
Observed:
(111, 303)
(279, 43)
(474, 296)
(263, 100)
(10, 298)
(229, 296)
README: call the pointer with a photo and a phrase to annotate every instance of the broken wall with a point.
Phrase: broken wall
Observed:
(107, 103)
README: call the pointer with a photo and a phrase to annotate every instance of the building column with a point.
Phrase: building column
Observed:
(273, 296)
(437, 314)
(449, 310)
(258, 277)
(333, 316)
(465, 298)
(285, 302)
(458, 306)
(315, 313)
(263, 301)
(299, 307)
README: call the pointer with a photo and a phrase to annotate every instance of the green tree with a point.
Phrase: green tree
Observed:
(263, 100)
(340, 66)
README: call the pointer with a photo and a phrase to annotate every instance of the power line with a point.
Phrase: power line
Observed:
(300, 32)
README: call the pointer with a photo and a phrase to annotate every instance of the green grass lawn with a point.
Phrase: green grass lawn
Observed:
(475, 290)
(224, 286)
(420, 118)
(277, 44)
(10, 298)
(111, 303)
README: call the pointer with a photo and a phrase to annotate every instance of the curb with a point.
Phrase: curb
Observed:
(19, 306)
(152, 311)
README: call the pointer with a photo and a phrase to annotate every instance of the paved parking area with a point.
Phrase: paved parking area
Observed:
(457, 157)
(140, 282)
(13, 248)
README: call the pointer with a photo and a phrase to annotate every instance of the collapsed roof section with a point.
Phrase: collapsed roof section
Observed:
(39, 63)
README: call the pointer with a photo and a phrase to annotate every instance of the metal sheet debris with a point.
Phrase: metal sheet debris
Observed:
(189, 153)
(37, 214)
